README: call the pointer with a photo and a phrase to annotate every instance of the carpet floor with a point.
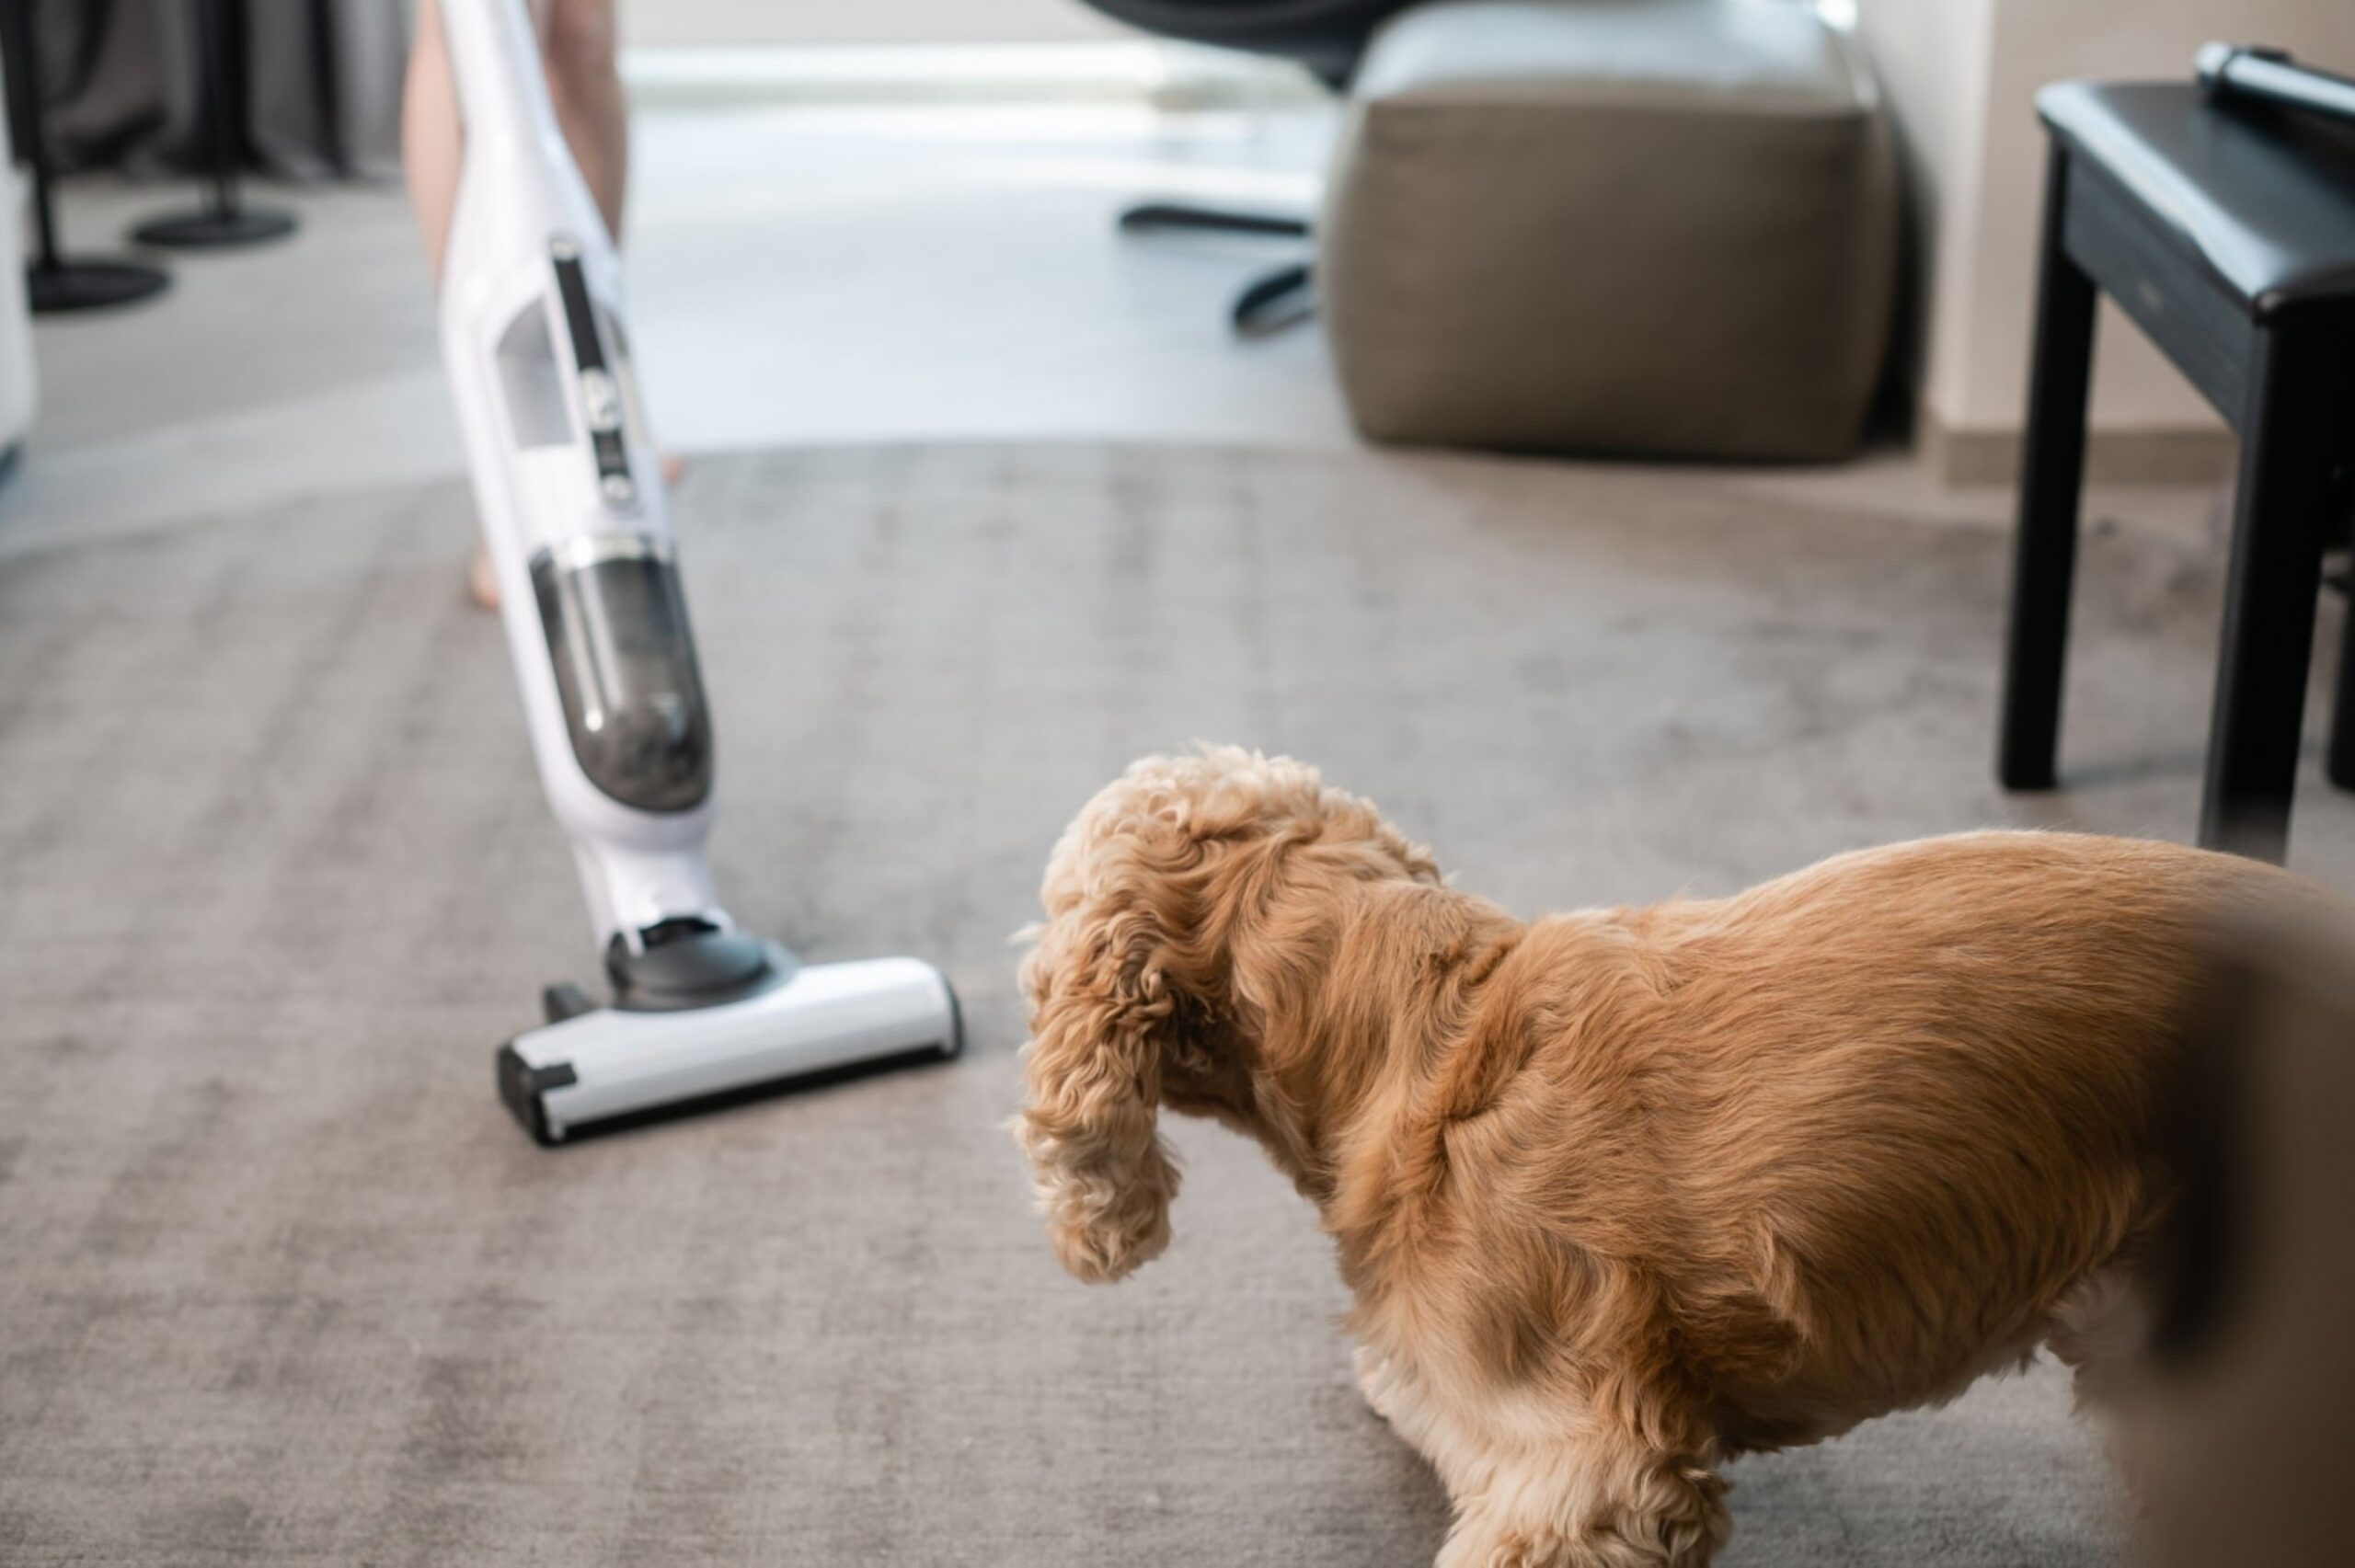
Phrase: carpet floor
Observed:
(280, 1283)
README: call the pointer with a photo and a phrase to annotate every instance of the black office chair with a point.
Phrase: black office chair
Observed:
(1325, 35)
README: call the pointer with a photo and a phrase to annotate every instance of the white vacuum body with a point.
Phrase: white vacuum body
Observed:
(572, 509)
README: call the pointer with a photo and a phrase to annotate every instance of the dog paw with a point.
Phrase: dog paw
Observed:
(1668, 1514)
(1519, 1550)
(1373, 1382)
(1546, 1549)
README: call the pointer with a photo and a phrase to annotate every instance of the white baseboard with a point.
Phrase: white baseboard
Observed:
(2187, 456)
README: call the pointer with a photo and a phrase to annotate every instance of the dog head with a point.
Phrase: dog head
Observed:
(1182, 904)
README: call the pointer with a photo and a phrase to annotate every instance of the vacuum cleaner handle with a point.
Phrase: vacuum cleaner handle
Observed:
(571, 496)
(495, 60)
(2253, 72)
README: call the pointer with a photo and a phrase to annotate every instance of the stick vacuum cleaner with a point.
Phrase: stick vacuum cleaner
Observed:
(571, 495)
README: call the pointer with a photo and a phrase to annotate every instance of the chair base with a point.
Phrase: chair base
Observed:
(215, 230)
(1270, 303)
(65, 287)
(1149, 215)
(1273, 301)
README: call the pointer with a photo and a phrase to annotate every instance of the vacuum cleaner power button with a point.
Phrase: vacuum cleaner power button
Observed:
(601, 400)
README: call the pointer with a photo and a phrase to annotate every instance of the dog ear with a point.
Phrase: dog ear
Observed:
(1101, 1005)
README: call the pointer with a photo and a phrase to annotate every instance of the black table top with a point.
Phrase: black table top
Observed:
(2267, 196)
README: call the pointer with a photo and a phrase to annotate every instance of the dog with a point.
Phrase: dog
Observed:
(1623, 1193)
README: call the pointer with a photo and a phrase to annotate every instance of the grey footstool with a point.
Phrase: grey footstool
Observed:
(1642, 227)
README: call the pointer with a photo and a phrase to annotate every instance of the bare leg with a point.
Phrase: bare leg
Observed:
(432, 140)
(577, 43)
(577, 46)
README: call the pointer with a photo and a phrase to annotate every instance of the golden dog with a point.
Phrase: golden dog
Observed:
(1622, 1193)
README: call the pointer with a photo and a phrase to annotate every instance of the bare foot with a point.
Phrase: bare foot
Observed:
(482, 578)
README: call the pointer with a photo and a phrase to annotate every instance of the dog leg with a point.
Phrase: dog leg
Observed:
(1596, 1503)
(1397, 1395)
(2098, 1332)
(1376, 1380)
(1551, 1483)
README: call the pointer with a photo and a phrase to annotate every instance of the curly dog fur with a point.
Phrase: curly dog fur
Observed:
(1624, 1193)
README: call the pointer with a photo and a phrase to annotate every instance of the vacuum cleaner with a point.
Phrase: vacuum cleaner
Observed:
(572, 501)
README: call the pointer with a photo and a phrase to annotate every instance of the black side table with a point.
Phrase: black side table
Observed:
(2227, 232)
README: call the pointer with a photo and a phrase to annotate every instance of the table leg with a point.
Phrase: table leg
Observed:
(2341, 763)
(2280, 512)
(2051, 474)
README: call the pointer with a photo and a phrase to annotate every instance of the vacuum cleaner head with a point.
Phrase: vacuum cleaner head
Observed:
(596, 1064)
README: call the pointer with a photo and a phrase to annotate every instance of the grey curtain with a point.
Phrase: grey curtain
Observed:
(314, 84)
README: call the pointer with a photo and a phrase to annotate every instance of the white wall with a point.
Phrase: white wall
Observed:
(1961, 77)
(1932, 59)
(705, 22)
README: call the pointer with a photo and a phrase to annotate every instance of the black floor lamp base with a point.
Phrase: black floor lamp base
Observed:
(212, 230)
(65, 286)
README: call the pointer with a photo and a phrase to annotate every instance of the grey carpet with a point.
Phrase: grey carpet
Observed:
(280, 1284)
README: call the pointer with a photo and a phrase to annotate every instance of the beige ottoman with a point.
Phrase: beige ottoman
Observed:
(1642, 227)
